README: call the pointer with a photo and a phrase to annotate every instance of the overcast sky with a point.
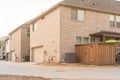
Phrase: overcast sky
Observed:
(15, 12)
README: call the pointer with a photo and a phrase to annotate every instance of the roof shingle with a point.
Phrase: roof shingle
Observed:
(110, 6)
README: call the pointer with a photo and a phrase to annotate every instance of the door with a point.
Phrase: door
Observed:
(38, 55)
(13, 56)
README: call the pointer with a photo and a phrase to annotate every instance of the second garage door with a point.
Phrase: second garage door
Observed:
(13, 57)
(38, 55)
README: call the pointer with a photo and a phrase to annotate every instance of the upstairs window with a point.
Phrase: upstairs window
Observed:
(28, 32)
(112, 20)
(118, 21)
(11, 37)
(86, 40)
(34, 27)
(78, 40)
(77, 14)
(92, 40)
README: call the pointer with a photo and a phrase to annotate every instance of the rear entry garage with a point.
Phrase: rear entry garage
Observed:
(13, 56)
(38, 55)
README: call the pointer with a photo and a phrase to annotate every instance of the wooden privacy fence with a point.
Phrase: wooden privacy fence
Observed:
(97, 54)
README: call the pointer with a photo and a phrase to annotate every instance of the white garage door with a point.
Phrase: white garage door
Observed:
(13, 56)
(38, 55)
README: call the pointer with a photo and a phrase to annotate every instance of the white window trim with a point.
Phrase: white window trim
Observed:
(79, 18)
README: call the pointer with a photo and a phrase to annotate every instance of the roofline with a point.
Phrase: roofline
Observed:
(7, 39)
(44, 13)
(53, 8)
(36, 18)
(21, 26)
(67, 5)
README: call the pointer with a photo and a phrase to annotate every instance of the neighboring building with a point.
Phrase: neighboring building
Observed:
(7, 51)
(55, 32)
(20, 44)
(2, 49)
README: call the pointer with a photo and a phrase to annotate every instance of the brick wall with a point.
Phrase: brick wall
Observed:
(25, 42)
(19, 43)
(47, 35)
(94, 22)
(15, 44)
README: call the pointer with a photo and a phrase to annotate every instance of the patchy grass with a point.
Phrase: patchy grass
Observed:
(76, 65)
(117, 64)
(66, 64)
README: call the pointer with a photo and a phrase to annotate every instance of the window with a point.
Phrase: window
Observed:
(112, 20)
(34, 27)
(6, 42)
(118, 21)
(28, 32)
(77, 14)
(86, 40)
(78, 40)
(74, 14)
(92, 40)
(11, 37)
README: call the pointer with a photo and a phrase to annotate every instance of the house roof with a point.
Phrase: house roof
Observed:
(6, 38)
(109, 6)
(106, 6)
(34, 19)
(21, 26)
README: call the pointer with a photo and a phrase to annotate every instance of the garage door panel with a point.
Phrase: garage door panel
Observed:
(13, 56)
(38, 55)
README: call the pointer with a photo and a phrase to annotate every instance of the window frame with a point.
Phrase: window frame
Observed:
(80, 38)
(11, 37)
(28, 31)
(84, 40)
(112, 22)
(34, 26)
(91, 40)
(73, 17)
(117, 21)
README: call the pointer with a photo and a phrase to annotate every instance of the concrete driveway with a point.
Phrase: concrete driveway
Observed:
(29, 69)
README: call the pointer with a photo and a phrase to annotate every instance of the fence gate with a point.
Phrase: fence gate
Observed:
(100, 54)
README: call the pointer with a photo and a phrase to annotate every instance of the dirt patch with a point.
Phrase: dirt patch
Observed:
(11, 77)
(77, 65)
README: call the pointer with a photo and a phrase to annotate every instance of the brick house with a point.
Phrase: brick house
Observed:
(55, 32)
(20, 43)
